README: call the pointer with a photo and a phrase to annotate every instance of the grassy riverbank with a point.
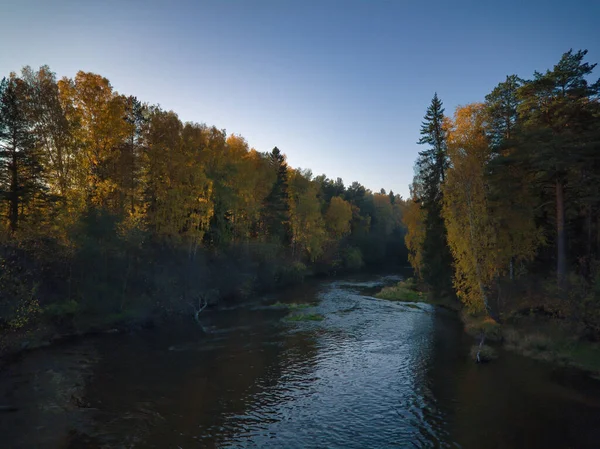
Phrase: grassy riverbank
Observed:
(409, 291)
(549, 339)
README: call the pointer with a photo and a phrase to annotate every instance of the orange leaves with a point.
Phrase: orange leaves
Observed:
(471, 236)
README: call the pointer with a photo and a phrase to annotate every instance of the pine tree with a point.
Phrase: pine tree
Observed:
(20, 169)
(558, 115)
(510, 194)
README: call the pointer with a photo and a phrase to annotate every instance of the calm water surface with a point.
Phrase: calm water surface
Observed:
(372, 374)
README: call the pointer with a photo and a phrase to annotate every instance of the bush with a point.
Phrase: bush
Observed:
(18, 289)
(61, 309)
(476, 325)
(352, 259)
(293, 273)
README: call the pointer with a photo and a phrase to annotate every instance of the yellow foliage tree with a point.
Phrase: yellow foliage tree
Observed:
(96, 114)
(308, 231)
(471, 235)
(178, 203)
(484, 235)
(338, 217)
(414, 220)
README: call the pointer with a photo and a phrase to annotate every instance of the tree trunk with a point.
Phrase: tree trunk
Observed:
(588, 260)
(561, 237)
(14, 191)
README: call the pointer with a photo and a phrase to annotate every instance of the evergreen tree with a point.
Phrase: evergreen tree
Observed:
(20, 169)
(510, 194)
(558, 112)
(128, 162)
(276, 208)
(431, 171)
(502, 106)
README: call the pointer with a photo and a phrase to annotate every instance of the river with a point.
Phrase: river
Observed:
(371, 374)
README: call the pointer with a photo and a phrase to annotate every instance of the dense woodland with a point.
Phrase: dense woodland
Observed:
(505, 205)
(111, 208)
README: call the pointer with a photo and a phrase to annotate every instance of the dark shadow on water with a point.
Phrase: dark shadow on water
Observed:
(513, 402)
(373, 373)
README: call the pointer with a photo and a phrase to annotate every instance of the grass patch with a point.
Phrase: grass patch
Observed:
(399, 293)
(305, 317)
(408, 291)
(554, 344)
(291, 305)
(405, 291)
(476, 325)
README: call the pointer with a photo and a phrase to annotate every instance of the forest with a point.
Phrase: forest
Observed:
(504, 210)
(114, 210)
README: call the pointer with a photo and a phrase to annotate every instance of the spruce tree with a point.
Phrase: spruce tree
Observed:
(430, 174)
(276, 210)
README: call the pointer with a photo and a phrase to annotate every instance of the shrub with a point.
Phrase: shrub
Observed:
(293, 273)
(352, 258)
(61, 310)
(477, 325)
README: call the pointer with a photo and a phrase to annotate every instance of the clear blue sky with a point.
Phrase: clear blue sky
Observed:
(339, 86)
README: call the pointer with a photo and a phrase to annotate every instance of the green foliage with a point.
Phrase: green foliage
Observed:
(352, 259)
(501, 183)
(113, 210)
(292, 273)
(431, 167)
(276, 209)
(19, 303)
(305, 317)
(60, 309)
(400, 293)
(481, 325)
(291, 305)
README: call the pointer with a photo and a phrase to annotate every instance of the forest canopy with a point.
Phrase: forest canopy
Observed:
(110, 206)
(505, 204)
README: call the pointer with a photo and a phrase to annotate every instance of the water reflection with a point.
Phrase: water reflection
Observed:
(372, 374)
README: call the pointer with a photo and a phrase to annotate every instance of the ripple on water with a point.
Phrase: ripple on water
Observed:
(373, 374)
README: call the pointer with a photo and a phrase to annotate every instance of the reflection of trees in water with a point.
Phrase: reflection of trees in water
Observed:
(431, 359)
(47, 388)
(204, 391)
(513, 402)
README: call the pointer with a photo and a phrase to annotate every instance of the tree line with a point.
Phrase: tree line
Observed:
(110, 206)
(505, 204)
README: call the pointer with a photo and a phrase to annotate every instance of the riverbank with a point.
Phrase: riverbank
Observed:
(15, 343)
(408, 291)
(550, 340)
(64, 324)
(547, 339)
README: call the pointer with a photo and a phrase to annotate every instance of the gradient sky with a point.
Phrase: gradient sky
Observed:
(339, 86)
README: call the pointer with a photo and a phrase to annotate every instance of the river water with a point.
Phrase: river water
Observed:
(371, 374)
